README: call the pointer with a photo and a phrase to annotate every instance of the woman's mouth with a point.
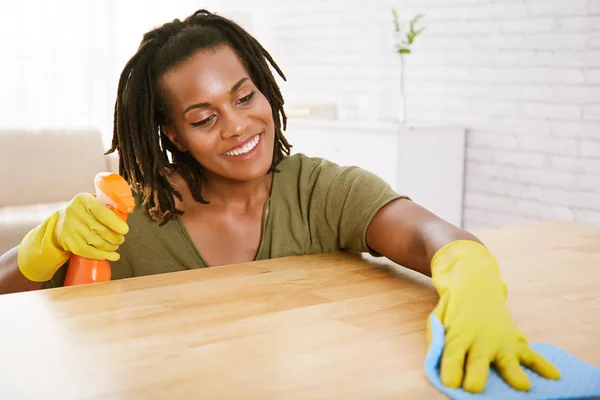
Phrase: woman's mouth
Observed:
(247, 149)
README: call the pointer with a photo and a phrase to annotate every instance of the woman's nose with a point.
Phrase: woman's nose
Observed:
(234, 124)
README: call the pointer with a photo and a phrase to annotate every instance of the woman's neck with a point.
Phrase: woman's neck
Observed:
(229, 193)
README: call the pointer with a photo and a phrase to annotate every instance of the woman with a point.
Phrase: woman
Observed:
(198, 127)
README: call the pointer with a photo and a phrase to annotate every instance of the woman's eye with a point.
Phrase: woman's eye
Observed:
(204, 121)
(246, 99)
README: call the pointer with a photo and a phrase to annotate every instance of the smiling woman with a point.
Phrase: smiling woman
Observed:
(230, 103)
(198, 128)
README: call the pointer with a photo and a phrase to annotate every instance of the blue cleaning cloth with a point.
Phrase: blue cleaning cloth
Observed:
(579, 380)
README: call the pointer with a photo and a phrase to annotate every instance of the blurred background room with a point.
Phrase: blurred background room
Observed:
(487, 112)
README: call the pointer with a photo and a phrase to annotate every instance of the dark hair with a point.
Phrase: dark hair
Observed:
(140, 108)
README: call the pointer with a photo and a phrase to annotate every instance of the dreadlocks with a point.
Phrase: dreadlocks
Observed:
(141, 110)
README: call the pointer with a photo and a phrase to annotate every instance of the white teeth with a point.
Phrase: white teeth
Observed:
(245, 148)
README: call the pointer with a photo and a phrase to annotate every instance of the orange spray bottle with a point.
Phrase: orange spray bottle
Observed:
(114, 192)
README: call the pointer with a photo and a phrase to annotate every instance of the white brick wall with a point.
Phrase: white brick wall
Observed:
(529, 82)
(522, 76)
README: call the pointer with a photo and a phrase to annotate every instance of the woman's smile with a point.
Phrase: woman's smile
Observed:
(247, 149)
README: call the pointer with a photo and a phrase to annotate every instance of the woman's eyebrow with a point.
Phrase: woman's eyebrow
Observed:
(205, 104)
(238, 84)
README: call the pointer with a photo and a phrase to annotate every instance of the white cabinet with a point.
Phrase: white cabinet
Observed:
(374, 151)
(426, 164)
(431, 169)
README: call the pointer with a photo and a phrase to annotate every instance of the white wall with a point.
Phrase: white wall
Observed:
(522, 76)
(61, 59)
(54, 58)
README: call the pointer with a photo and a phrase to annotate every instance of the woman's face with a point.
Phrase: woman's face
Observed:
(219, 115)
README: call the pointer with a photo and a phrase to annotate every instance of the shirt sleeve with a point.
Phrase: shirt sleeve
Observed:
(344, 201)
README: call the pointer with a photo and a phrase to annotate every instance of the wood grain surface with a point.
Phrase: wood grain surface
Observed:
(331, 326)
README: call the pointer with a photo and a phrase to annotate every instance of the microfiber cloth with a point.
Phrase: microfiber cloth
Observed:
(579, 380)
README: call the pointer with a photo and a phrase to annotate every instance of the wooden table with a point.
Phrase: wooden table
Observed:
(316, 327)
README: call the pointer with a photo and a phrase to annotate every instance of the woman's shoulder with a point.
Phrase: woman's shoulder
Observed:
(305, 176)
(302, 176)
(317, 168)
(300, 162)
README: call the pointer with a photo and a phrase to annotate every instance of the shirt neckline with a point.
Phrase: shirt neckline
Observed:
(265, 223)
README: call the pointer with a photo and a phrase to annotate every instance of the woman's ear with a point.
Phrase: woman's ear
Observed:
(173, 137)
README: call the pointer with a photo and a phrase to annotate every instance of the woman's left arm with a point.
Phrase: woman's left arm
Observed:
(472, 306)
(410, 235)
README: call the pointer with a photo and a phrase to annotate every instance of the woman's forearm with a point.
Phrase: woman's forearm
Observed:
(436, 233)
(11, 278)
(410, 235)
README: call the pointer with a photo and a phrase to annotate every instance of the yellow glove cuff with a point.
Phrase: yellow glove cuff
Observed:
(38, 257)
(464, 263)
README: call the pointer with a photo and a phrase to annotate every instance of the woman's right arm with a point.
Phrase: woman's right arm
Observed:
(11, 278)
(84, 227)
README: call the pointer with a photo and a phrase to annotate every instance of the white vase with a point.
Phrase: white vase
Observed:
(402, 98)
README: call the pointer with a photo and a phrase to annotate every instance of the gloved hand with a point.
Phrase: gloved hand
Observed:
(84, 227)
(479, 327)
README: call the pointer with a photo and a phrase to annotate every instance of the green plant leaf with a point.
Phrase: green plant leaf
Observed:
(414, 21)
(403, 47)
(396, 23)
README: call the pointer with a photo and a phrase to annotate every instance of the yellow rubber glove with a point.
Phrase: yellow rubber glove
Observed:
(479, 328)
(84, 227)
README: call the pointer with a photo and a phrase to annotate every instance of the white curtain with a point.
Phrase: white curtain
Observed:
(61, 59)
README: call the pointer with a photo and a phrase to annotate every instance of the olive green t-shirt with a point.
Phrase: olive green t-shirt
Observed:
(315, 206)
